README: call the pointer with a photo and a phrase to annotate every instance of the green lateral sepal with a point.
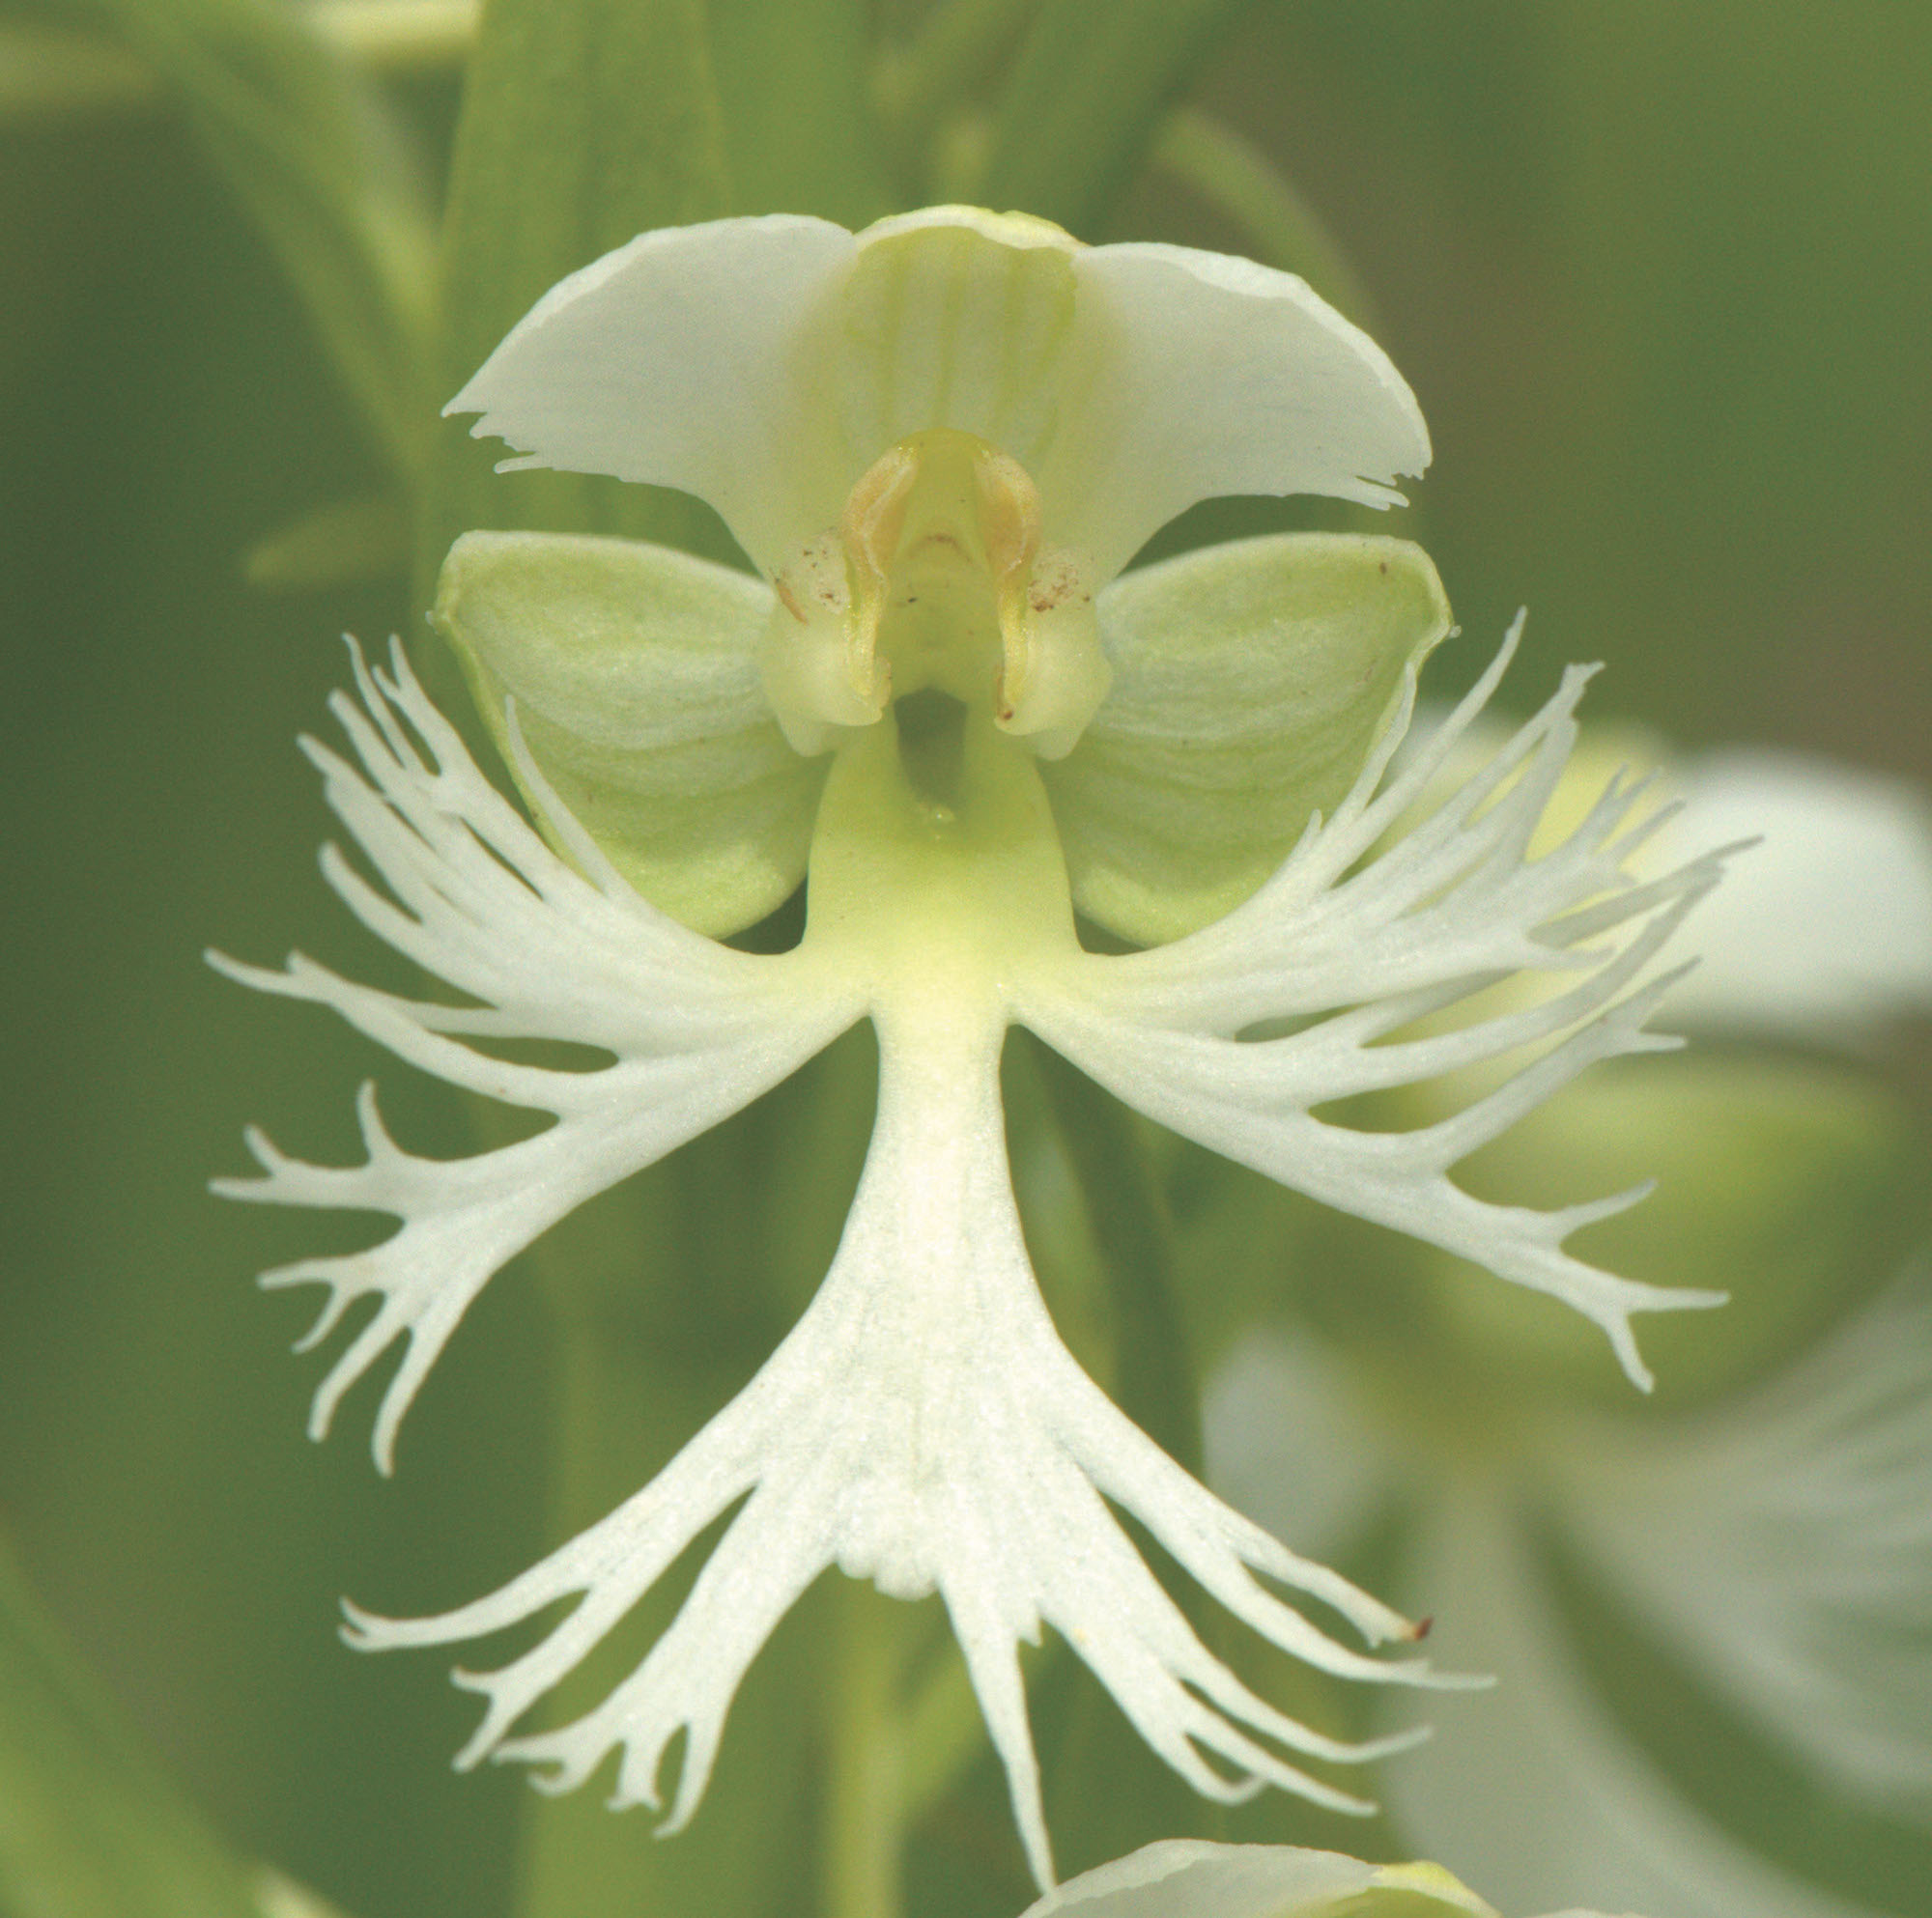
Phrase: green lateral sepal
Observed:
(1250, 681)
(634, 674)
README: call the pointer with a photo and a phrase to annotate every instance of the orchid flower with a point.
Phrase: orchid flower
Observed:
(941, 441)
(1768, 1539)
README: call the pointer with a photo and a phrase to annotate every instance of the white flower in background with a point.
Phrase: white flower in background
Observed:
(1188, 1879)
(940, 440)
(1772, 1540)
(1829, 935)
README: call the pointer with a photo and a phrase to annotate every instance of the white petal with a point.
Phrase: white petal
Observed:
(1534, 1792)
(477, 899)
(1443, 915)
(1202, 375)
(880, 1438)
(1189, 1879)
(675, 360)
(1781, 1545)
(763, 364)
(1825, 932)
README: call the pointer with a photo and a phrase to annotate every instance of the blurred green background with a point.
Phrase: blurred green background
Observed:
(1662, 277)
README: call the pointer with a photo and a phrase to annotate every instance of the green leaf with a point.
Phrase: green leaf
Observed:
(49, 71)
(1795, 1185)
(635, 672)
(1249, 682)
(945, 58)
(90, 1827)
(796, 108)
(1085, 99)
(346, 542)
(308, 152)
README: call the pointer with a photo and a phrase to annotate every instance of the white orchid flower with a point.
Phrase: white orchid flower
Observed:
(940, 440)
(1191, 1879)
(1772, 1541)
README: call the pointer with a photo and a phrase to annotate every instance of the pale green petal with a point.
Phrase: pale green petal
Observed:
(634, 673)
(1202, 375)
(1249, 682)
(1191, 1879)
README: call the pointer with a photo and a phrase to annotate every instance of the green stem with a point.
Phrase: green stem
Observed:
(865, 1803)
(1081, 99)
(916, 81)
(944, 1731)
(1238, 181)
(1154, 1380)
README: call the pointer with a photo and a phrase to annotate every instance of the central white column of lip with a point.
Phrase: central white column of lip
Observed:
(936, 881)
